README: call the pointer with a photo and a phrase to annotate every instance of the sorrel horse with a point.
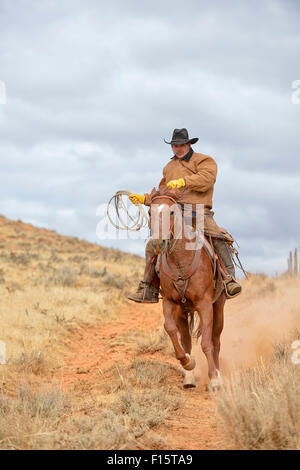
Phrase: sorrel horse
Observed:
(186, 278)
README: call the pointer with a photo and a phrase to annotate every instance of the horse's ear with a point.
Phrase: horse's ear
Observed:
(153, 193)
(174, 193)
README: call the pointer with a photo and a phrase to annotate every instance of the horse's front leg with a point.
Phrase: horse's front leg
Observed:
(186, 341)
(205, 310)
(172, 312)
(218, 327)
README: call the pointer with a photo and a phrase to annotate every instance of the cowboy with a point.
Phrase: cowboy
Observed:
(196, 174)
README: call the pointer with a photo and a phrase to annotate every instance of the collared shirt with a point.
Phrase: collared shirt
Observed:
(187, 157)
(199, 173)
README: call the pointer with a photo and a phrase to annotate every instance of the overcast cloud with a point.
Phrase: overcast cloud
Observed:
(93, 88)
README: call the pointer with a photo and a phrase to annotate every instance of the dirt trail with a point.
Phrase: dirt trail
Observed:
(32, 259)
(193, 426)
(253, 323)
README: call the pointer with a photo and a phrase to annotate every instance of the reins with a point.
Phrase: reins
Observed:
(164, 197)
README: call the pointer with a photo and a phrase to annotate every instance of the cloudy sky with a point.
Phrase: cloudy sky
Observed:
(93, 87)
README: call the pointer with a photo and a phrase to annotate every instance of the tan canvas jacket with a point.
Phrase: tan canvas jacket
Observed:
(199, 183)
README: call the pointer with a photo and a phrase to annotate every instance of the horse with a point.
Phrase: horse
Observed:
(186, 280)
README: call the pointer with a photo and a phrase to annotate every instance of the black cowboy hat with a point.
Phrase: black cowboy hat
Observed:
(181, 136)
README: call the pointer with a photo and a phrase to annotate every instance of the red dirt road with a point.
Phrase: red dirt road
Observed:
(95, 349)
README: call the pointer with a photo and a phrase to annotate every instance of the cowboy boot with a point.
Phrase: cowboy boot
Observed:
(146, 293)
(148, 288)
(221, 247)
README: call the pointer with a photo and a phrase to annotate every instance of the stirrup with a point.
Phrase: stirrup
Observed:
(146, 293)
(230, 296)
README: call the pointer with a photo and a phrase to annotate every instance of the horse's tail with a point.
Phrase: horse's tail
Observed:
(191, 319)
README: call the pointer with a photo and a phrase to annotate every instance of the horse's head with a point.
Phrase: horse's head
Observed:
(166, 218)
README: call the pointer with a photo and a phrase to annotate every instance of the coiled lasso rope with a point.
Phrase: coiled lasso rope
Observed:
(140, 222)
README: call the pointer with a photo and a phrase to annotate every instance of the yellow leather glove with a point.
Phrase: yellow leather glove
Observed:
(176, 183)
(135, 198)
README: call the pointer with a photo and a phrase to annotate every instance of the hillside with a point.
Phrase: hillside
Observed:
(52, 284)
(86, 368)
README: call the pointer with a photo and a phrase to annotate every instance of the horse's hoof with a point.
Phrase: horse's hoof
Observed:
(214, 387)
(191, 364)
(189, 380)
(189, 386)
(215, 384)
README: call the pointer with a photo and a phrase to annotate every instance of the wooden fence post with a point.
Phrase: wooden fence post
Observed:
(296, 262)
(291, 264)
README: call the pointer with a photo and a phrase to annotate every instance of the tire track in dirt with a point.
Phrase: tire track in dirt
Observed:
(192, 426)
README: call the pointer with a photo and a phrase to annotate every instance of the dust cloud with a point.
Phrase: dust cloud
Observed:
(265, 313)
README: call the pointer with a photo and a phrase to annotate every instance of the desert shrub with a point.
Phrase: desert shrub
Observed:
(54, 258)
(114, 280)
(144, 409)
(31, 362)
(47, 402)
(118, 255)
(108, 278)
(46, 418)
(154, 341)
(22, 258)
(31, 420)
(144, 373)
(143, 341)
(78, 259)
(64, 276)
(88, 271)
(24, 245)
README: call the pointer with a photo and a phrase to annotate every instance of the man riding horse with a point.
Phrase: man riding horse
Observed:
(196, 174)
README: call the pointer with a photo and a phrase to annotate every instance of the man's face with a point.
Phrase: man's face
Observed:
(180, 150)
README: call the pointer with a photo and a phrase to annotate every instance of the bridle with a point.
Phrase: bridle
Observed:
(171, 232)
(180, 281)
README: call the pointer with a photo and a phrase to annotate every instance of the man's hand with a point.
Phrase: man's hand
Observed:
(176, 183)
(135, 198)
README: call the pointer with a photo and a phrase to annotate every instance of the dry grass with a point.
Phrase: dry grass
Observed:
(130, 403)
(141, 373)
(260, 406)
(141, 398)
(144, 341)
(49, 286)
(30, 420)
(154, 341)
(31, 362)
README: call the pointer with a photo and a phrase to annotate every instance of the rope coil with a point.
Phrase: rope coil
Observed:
(142, 217)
